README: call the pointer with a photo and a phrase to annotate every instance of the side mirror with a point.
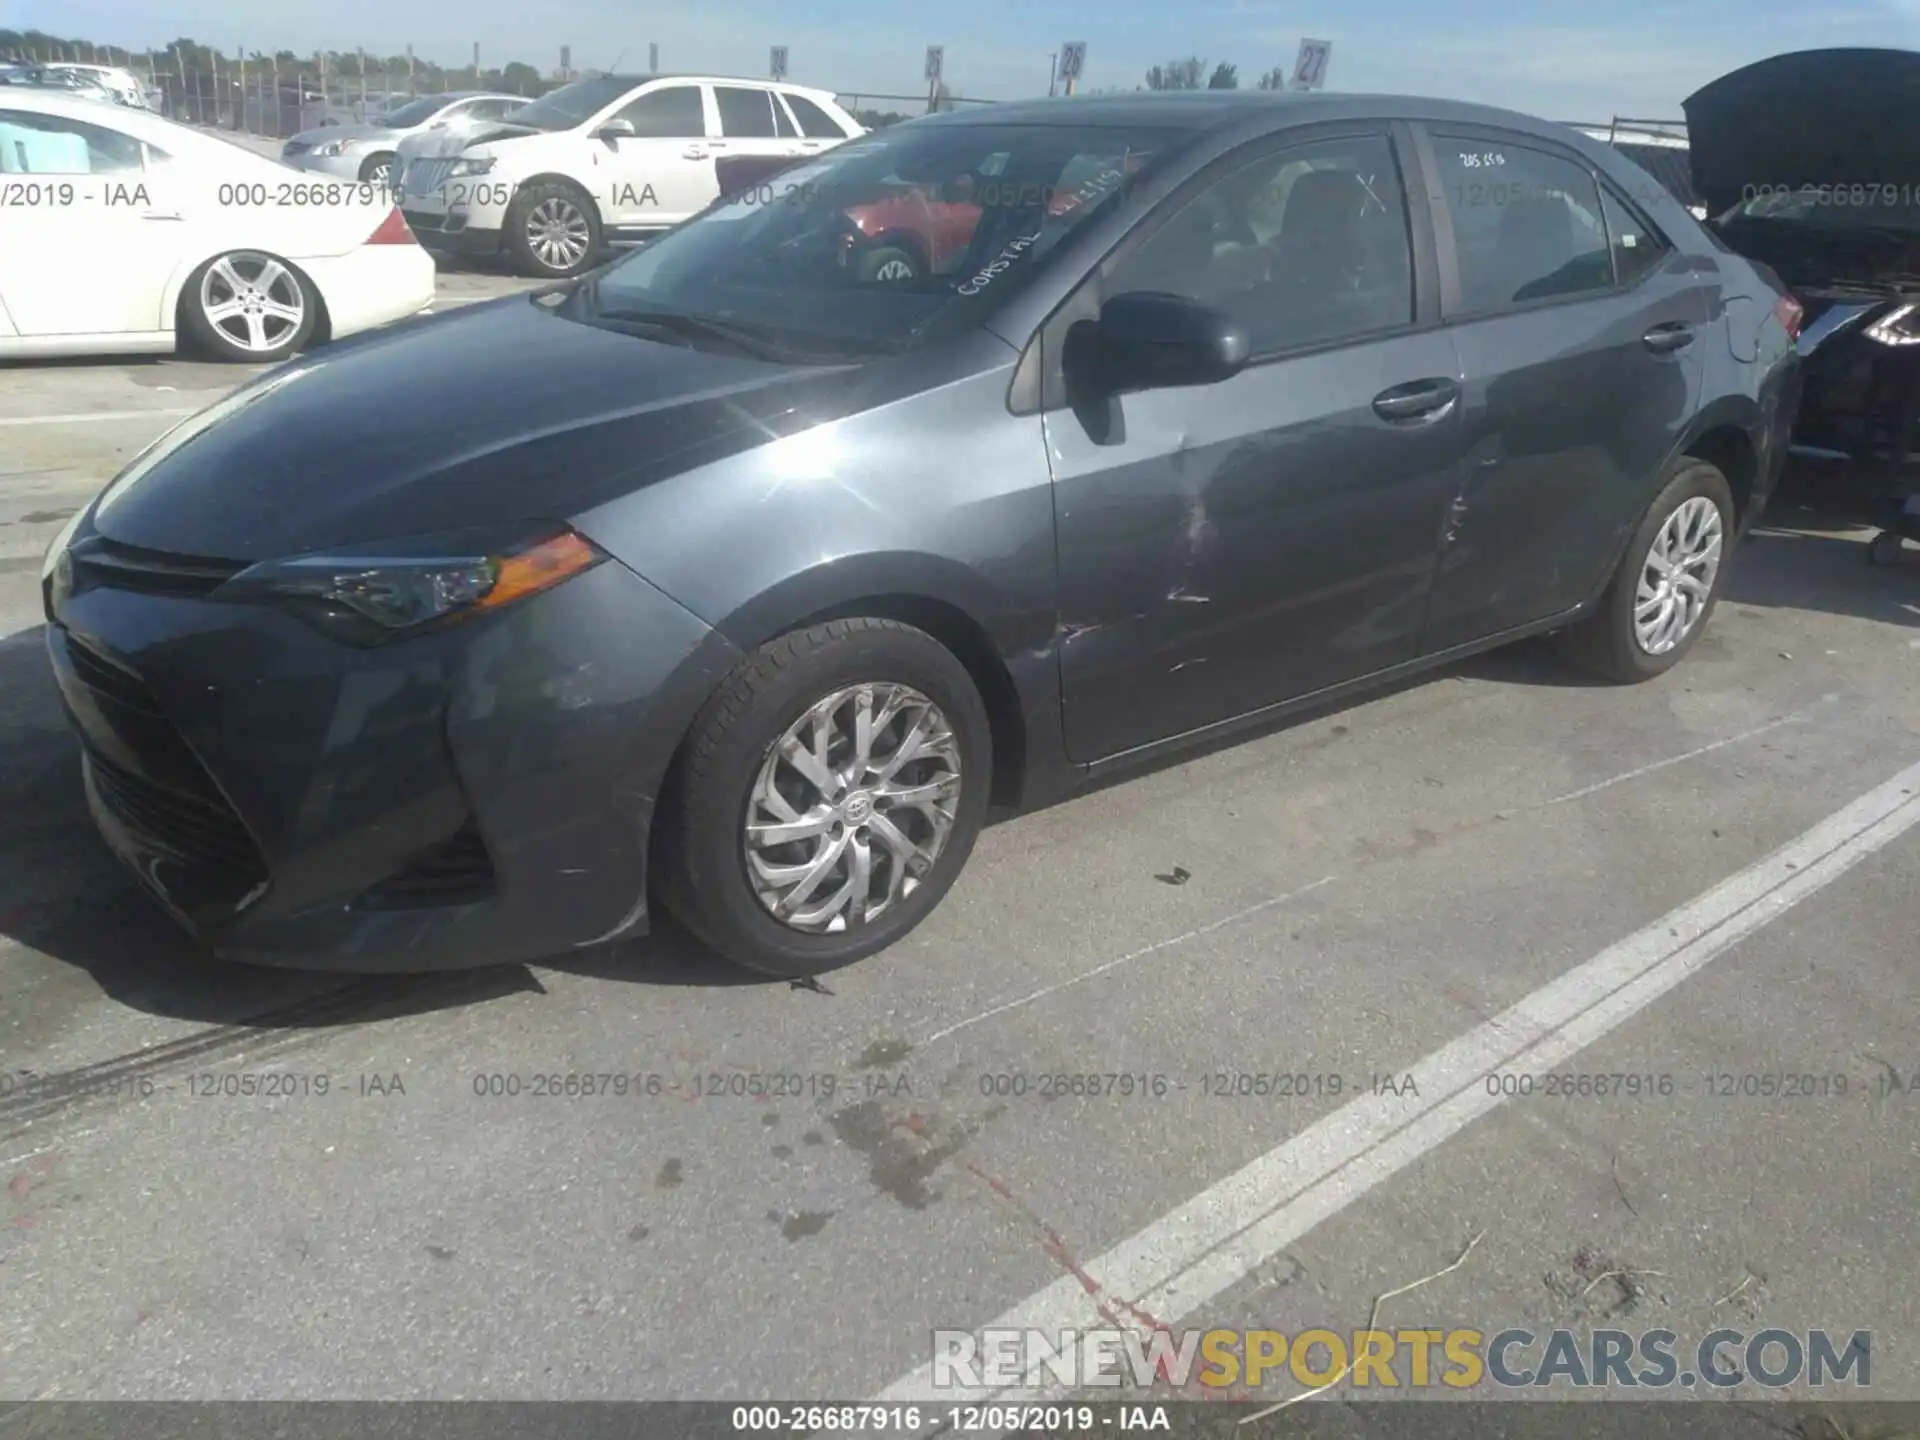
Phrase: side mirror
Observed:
(615, 130)
(1149, 340)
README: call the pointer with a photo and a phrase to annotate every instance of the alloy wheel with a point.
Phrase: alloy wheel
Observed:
(1677, 580)
(557, 233)
(852, 807)
(253, 300)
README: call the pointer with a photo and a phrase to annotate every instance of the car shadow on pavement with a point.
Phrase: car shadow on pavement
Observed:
(67, 904)
(1787, 564)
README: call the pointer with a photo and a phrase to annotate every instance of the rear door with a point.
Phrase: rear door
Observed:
(817, 129)
(751, 124)
(93, 230)
(1580, 330)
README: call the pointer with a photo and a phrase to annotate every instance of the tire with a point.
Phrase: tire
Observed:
(557, 212)
(890, 263)
(1887, 548)
(702, 844)
(241, 306)
(378, 170)
(1608, 642)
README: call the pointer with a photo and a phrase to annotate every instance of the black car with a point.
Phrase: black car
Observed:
(727, 578)
(1807, 164)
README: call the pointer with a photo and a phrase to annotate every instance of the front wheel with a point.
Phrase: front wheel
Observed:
(827, 797)
(553, 231)
(1660, 598)
(248, 306)
(377, 171)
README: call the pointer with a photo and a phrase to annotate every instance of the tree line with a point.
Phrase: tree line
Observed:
(1190, 73)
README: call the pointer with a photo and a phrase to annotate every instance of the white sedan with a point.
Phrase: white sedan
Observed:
(123, 232)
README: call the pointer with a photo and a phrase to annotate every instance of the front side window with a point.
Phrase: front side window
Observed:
(745, 114)
(35, 144)
(1304, 246)
(672, 113)
(1527, 225)
(888, 240)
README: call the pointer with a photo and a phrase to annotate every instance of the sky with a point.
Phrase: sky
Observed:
(1584, 62)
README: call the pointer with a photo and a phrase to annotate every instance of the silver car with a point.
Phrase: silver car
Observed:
(365, 151)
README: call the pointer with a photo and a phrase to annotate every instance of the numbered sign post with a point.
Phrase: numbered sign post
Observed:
(777, 66)
(1073, 59)
(936, 62)
(1310, 68)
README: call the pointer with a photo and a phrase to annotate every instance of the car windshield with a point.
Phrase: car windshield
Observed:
(568, 106)
(887, 240)
(1838, 207)
(414, 112)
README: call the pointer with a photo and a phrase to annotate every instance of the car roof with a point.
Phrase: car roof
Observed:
(700, 78)
(56, 102)
(1221, 109)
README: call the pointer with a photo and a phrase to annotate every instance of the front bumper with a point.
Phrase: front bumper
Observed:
(345, 167)
(431, 229)
(474, 797)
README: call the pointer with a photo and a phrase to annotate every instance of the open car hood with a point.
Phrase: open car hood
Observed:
(1810, 118)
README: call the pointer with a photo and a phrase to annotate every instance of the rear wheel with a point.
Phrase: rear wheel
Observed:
(248, 306)
(890, 263)
(827, 797)
(1887, 548)
(1668, 582)
(553, 231)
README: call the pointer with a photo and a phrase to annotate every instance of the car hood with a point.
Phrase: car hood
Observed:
(1813, 117)
(438, 143)
(497, 413)
(323, 133)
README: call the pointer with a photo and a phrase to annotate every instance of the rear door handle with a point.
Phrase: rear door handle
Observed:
(161, 215)
(1420, 400)
(693, 152)
(1665, 339)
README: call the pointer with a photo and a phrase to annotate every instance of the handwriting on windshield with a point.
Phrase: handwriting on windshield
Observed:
(1096, 187)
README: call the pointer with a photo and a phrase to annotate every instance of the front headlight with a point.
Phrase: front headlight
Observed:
(471, 165)
(386, 591)
(334, 147)
(1899, 326)
(60, 542)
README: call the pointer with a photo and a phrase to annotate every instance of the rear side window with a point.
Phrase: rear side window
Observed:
(36, 144)
(782, 121)
(745, 114)
(815, 123)
(1637, 246)
(1527, 225)
(674, 113)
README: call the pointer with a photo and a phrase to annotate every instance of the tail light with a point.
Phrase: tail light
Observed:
(393, 231)
(1790, 313)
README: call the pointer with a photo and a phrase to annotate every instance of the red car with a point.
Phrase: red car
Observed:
(925, 230)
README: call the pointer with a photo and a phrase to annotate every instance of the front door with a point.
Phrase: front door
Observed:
(1228, 547)
(663, 172)
(1576, 322)
(92, 232)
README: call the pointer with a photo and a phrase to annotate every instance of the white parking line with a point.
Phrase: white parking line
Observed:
(93, 417)
(1195, 1253)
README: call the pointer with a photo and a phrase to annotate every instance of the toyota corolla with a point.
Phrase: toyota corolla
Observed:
(740, 578)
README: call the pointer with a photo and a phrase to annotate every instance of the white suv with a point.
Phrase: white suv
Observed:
(600, 162)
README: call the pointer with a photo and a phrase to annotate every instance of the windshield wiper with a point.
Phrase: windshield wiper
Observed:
(688, 328)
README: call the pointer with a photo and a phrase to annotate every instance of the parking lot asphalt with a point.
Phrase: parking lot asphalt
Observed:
(1502, 869)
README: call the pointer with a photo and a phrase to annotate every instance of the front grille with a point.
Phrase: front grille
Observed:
(457, 872)
(110, 681)
(198, 831)
(99, 562)
(426, 176)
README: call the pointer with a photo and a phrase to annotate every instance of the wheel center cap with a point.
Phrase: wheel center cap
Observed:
(858, 809)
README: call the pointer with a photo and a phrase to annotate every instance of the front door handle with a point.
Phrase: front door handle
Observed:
(693, 152)
(1418, 400)
(161, 215)
(1665, 339)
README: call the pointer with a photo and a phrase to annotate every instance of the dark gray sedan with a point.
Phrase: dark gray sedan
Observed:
(745, 574)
